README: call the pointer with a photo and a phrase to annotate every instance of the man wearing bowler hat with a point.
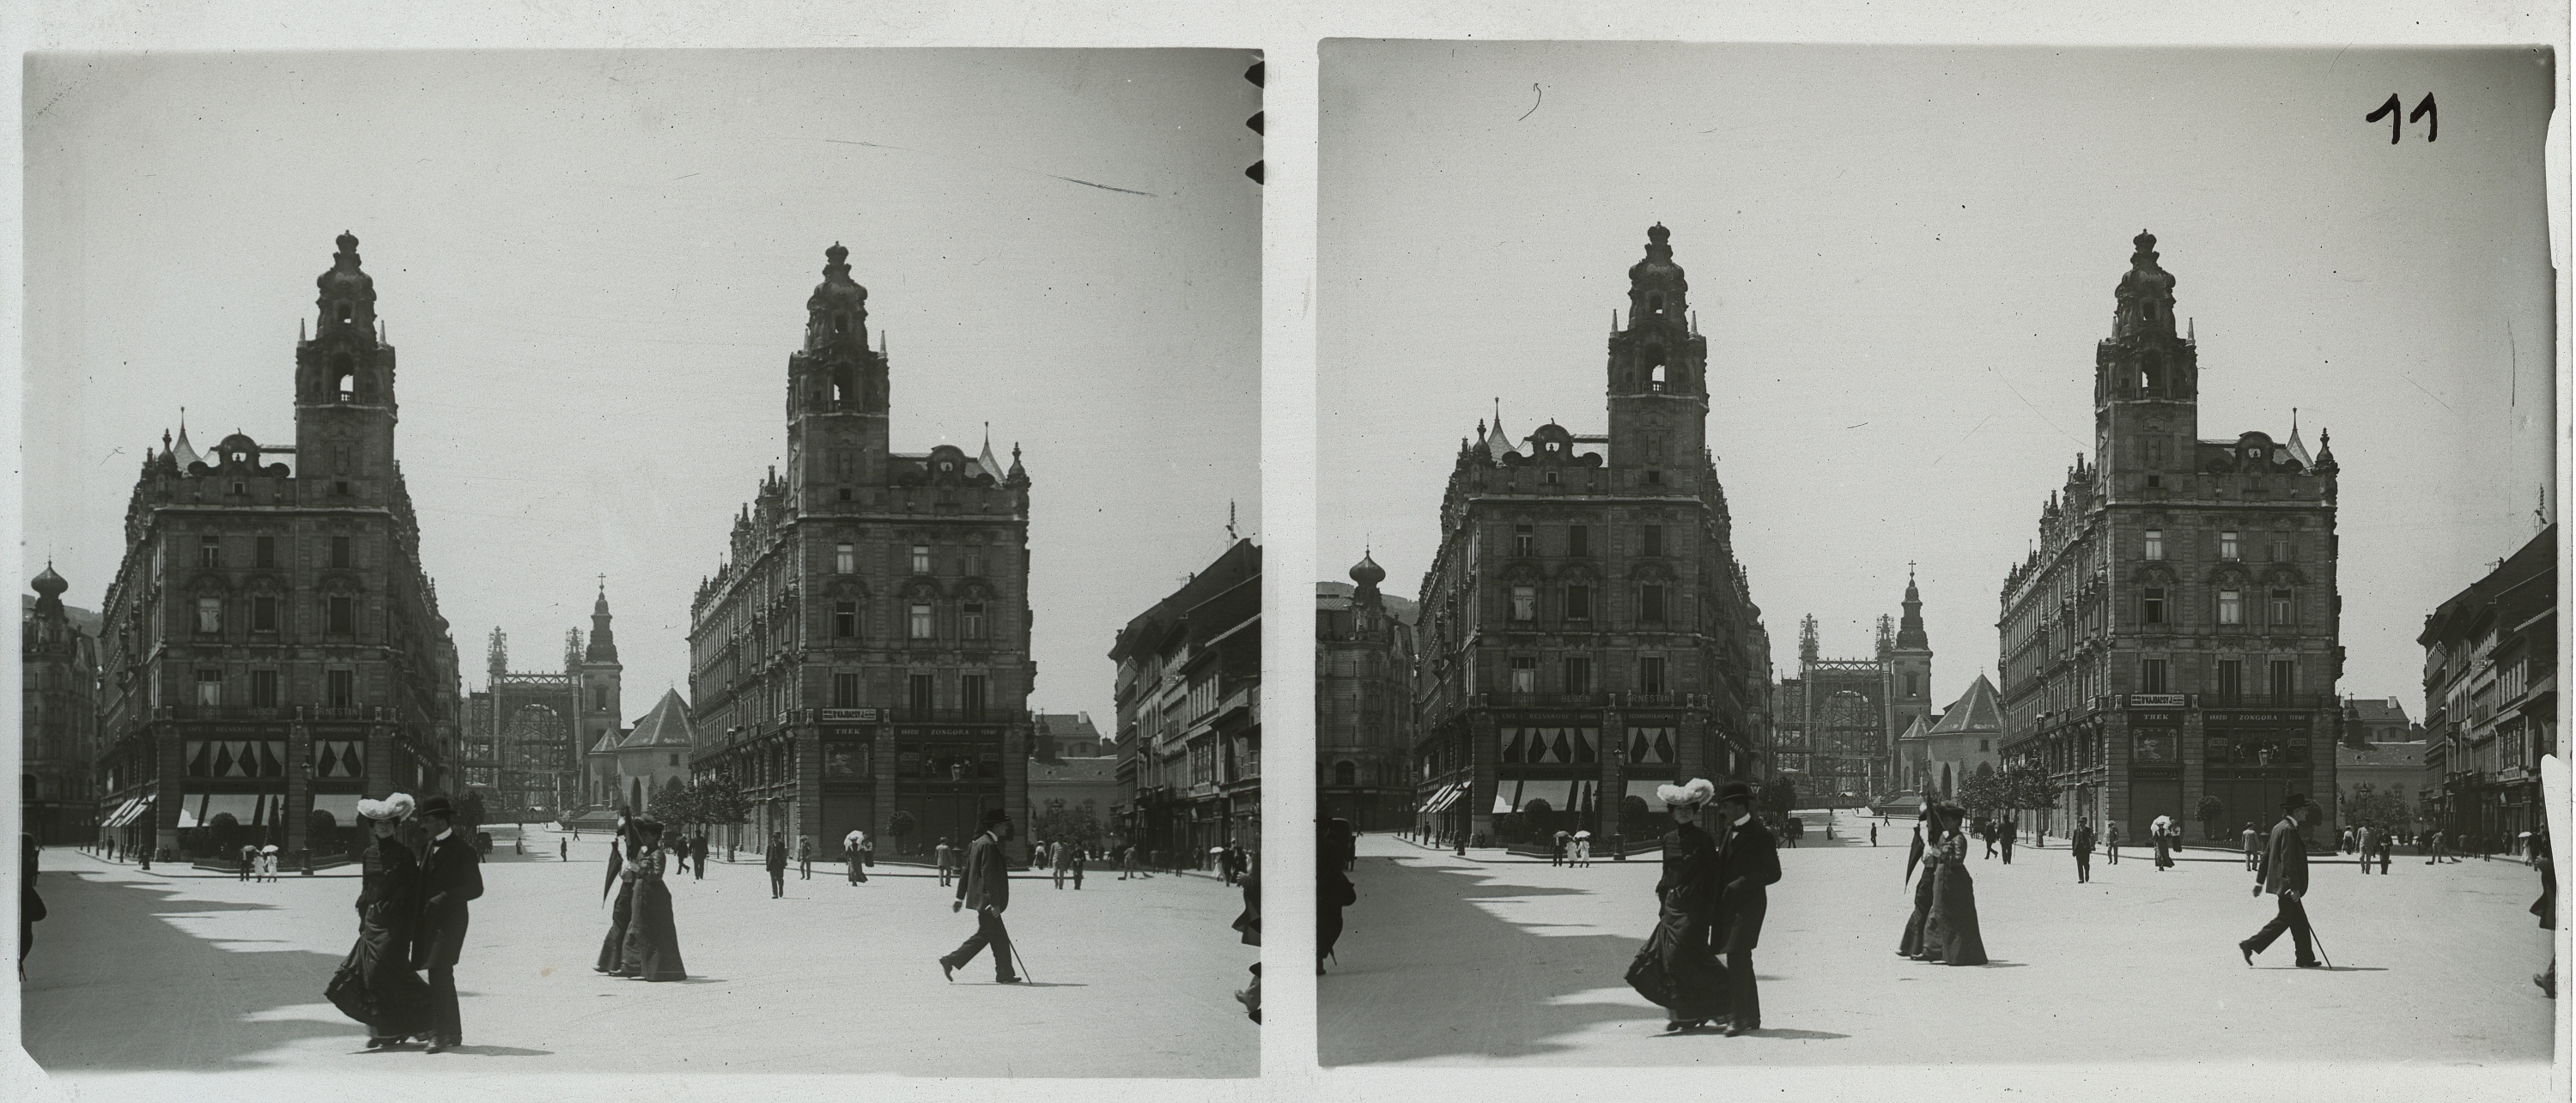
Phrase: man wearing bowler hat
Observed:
(2285, 875)
(986, 887)
(1748, 862)
(450, 874)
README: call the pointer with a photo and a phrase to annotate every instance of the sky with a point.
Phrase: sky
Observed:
(594, 266)
(1903, 257)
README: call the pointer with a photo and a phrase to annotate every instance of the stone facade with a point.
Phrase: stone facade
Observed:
(271, 648)
(860, 659)
(58, 718)
(1188, 692)
(2491, 698)
(1586, 630)
(2170, 644)
(1364, 665)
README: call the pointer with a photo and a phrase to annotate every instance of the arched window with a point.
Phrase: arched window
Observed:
(1346, 772)
(1655, 378)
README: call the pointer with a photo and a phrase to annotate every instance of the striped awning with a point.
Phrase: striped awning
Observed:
(246, 809)
(1441, 800)
(132, 810)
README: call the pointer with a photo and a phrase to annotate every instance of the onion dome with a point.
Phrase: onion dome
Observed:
(49, 589)
(348, 293)
(1367, 573)
(2145, 295)
(838, 309)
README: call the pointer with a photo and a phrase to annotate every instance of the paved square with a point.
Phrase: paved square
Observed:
(146, 972)
(1462, 962)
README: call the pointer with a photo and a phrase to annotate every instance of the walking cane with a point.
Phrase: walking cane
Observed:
(1024, 963)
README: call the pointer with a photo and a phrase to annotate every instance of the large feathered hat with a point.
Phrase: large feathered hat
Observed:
(1698, 791)
(397, 807)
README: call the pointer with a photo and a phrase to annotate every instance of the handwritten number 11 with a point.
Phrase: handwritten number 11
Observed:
(2423, 111)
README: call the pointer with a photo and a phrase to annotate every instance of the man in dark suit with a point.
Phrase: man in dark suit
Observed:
(2082, 844)
(451, 873)
(986, 887)
(1748, 862)
(2285, 875)
(777, 865)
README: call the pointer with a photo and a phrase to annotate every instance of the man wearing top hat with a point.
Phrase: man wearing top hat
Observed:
(451, 873)
(986, 887)
(1748, 862)
(2285, 875)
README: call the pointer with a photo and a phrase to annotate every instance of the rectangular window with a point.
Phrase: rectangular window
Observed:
(2151, 605)
(1650, 674)
(921, 559)
(1578, 676)
(845, 559)
(343, 689)
(1524, 603)
(263, 689)
(340, 554)
(210, 688)
(1523, 539)
(1578, 602)
(1913, 684)
(264, 551)
(845, 620)
(2231, 679)
(845, 690)
(2281, 612)
(921, 622)
(970, 695)
(2227, 545)
(210, 551)
(2280, 551)
(263, 614)
(974, 618)
(1650, 540)
(2151, 676)
(343, 616)
(2155, 544)
(2285, 680)
(922, 694)
(210, 616)
(1650, 604)
(1578, 541)
(975, 562)
(1524, 674)
(2231, 607)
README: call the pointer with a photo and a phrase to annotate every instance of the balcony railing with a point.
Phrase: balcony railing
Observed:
(269, 712)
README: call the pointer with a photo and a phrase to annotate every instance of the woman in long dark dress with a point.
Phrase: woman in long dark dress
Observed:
(1676, 968)
(1927, 835)
(375, 983)
(652, 941)
(1950, 932)
(612, 949)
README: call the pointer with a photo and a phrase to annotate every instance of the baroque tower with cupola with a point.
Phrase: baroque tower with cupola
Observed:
(2170, 644)
(1585, 629)
(859, 660)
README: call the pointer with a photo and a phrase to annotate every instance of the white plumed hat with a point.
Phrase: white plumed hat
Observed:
(396, 807)
(1696, 792)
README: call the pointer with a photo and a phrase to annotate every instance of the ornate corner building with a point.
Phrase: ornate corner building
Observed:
(58, 717)
(1364, 663)
(860, 659)
(2169, 646)
(1587, 632)
(271, 649)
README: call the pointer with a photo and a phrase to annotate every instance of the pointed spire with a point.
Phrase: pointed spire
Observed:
(186, 453)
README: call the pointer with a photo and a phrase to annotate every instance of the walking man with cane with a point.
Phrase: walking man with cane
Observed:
(2285, 875)
(986, 887)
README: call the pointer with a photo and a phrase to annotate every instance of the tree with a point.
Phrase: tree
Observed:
(2207, 812)
(1779, 795)
(1983, 793)
(2382, 812)
(2029, 787)
(677, 804)
(469, 810)
(1073, 825)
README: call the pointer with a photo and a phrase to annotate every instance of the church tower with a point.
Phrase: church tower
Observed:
(599, 673)
(836, 399)
(344, 391)
(1909, 666)
(1657, 373)
(2146, 383)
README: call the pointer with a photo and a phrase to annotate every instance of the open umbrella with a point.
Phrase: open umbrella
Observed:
(269, 849)
(1583, 834)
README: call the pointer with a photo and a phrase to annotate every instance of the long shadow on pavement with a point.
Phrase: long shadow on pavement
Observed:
(1421, 942)
(97, 993)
